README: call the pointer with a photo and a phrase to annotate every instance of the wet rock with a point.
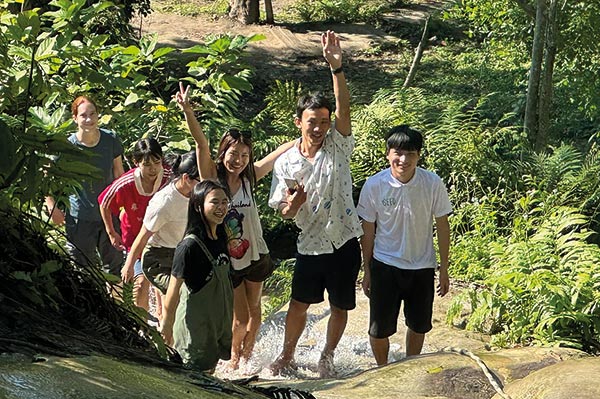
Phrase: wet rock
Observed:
(452, 375)
(444, 370)
(92, 377)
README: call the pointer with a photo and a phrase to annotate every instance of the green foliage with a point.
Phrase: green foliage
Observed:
(341, 11)
(491, 19)
(278, 287)
(279, 112)
(535, 261)
(50, 58)
(469, 154)
(521, 219)
(47, 58)
(543, 286)
(48, 302)
(478, 231)
(505, 26)
(193, 8)
(220, 77)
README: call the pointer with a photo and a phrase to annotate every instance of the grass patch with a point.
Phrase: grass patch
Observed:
(192, 8)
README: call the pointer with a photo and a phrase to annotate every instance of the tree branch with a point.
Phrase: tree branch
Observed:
(525, 6)
(418, 54)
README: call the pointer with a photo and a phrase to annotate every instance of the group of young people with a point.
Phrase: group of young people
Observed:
(191, 229)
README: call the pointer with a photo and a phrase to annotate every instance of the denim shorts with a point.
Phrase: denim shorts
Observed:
(137, 268)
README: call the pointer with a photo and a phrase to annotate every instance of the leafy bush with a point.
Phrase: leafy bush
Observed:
(278, 287)
(50, 57)
(543, 287)
(341, 11)
(192, 8)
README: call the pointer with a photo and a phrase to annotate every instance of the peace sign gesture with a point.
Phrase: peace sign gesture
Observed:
(183, 97)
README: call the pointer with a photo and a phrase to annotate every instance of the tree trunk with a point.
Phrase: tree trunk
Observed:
(547, 86)
(417, 60)
(245, 11)
(269, 12)
(533, 85)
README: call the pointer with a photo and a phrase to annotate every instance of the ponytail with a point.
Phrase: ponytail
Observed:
(183, 163)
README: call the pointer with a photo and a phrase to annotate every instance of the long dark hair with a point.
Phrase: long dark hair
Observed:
(196, 222)
(231, 138)
(185, 163)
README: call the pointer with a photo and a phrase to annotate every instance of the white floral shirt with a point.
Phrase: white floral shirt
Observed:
(328, 218)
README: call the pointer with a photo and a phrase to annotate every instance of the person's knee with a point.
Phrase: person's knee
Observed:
(298, 307)
(338, 312)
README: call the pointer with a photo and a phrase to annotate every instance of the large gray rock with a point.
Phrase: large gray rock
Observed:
(571, 379)
(441, 375)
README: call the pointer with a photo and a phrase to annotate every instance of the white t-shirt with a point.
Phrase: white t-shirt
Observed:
(245, 240)
(328, 218)
(404, 216)
(166, 217)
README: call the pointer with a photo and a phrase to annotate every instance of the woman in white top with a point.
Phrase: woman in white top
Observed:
(164, 225)
(235, 168)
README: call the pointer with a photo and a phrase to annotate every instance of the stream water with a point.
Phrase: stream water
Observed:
(352, 356)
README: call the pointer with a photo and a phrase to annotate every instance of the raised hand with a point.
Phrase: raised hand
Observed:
(331, 49)
(183, 96)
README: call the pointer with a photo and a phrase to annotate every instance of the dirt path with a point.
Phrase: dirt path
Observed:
(293, 52)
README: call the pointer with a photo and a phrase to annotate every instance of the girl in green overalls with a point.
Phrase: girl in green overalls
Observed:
(199, 302)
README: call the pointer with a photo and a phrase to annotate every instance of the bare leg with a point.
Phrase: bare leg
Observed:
(295, 322)
(240, 323)
(381, 349)
(414, 342)
(253, 294)
(160, 311)
(141, 288)
(335, 328)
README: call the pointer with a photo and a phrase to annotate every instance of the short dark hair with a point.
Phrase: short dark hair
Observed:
(146, 149)
(196, 223)
(403, 137)
(313, 101)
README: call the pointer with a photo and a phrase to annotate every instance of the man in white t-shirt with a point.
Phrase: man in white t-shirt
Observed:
(318, 196)
(398, 206)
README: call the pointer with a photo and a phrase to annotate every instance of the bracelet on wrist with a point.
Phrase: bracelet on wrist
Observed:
(337, 70)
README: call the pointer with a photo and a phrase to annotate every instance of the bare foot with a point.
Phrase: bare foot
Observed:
(282, 366)
(326, 368)
(234, 363)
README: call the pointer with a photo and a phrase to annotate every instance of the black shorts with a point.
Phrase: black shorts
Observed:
(258, 271)
(156, 265)
(335, 272)
(389, 287)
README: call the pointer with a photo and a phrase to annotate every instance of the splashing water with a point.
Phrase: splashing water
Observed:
(352, 356)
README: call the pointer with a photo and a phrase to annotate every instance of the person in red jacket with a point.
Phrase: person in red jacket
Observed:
(127, 198)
